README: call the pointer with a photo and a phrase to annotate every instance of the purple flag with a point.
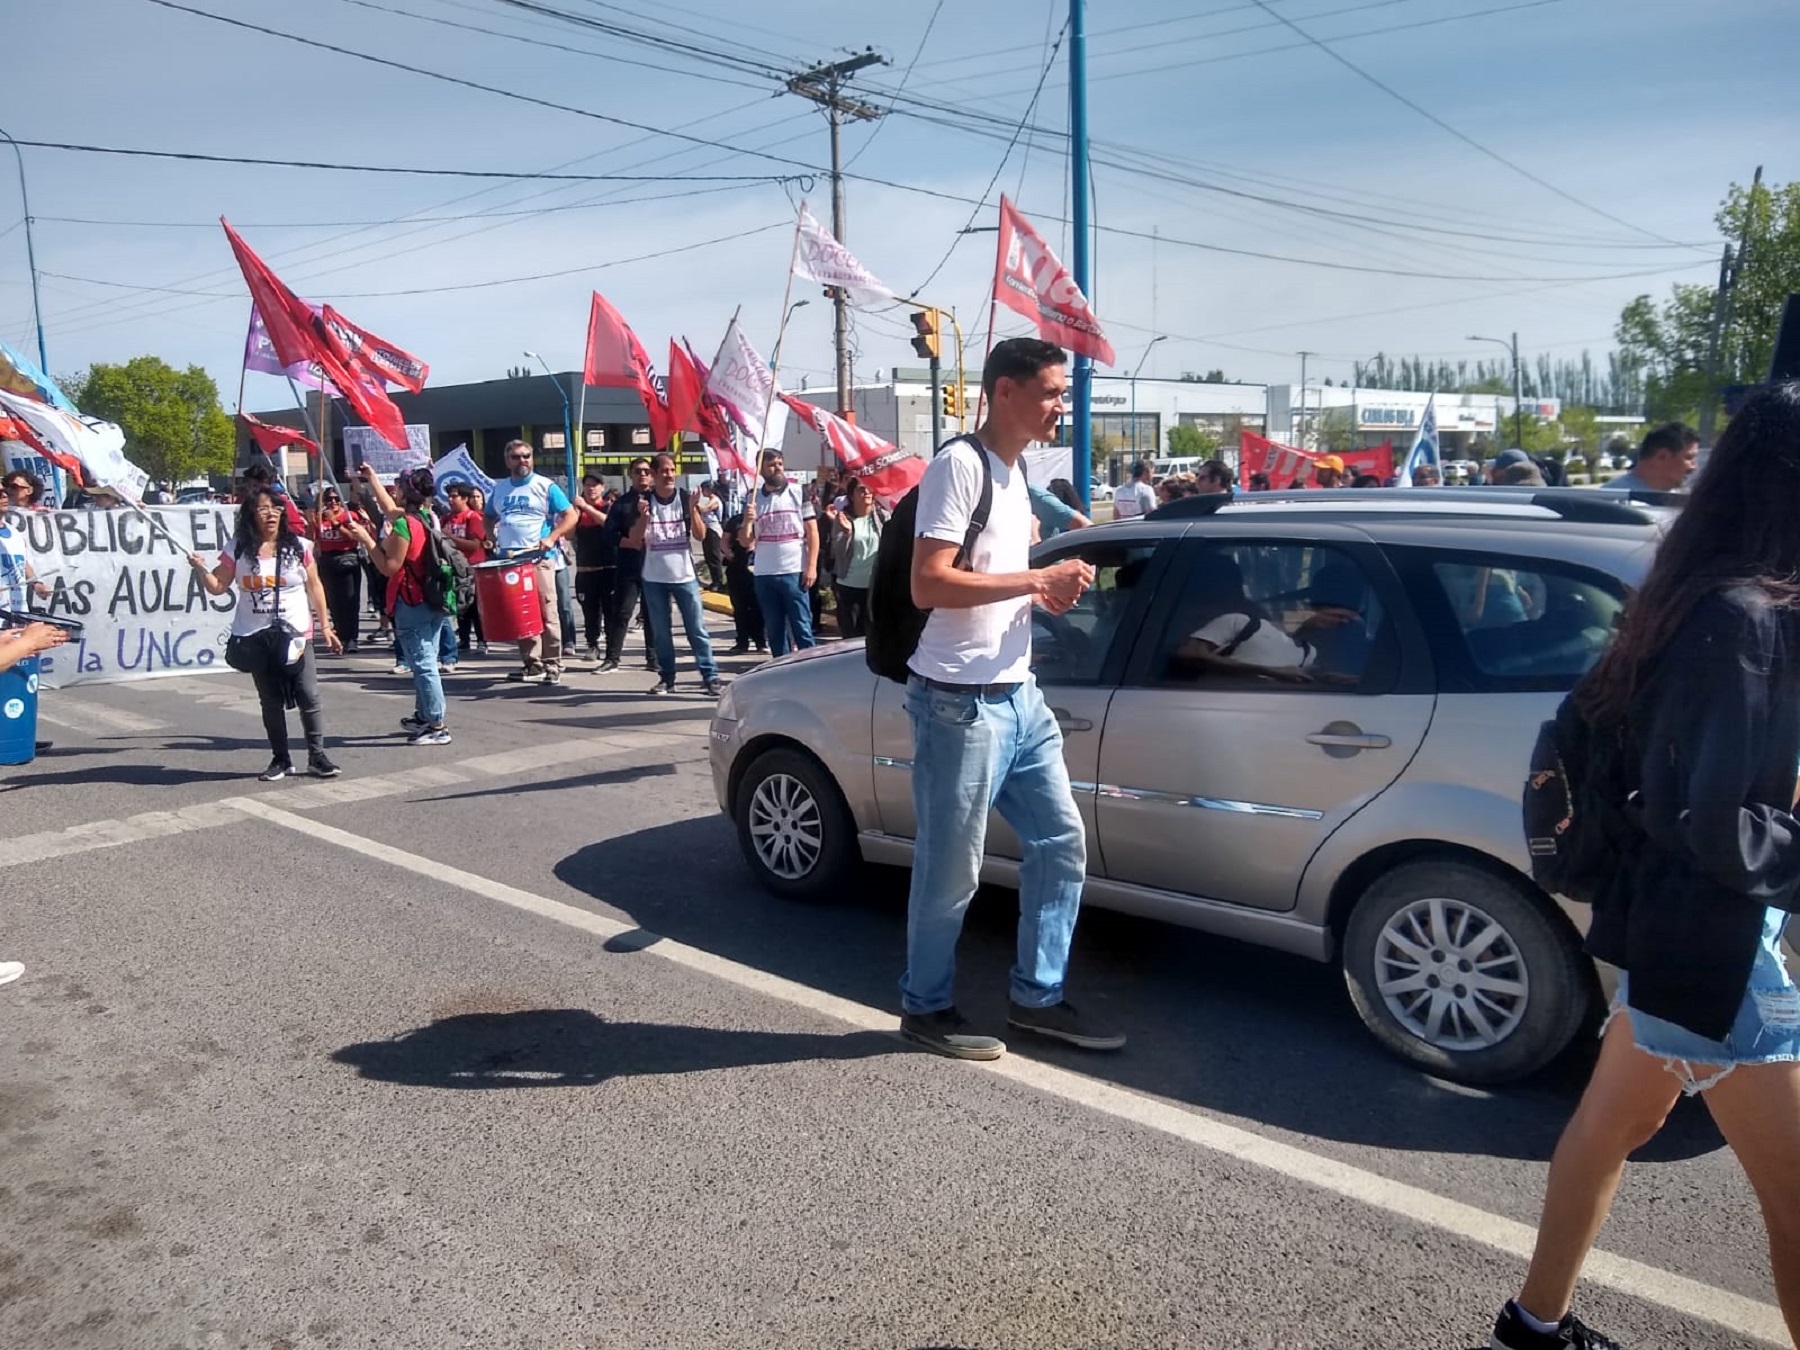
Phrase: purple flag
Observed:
(259, 354)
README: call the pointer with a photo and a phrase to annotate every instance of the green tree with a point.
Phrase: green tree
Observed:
(1579, 426)
(1665, 345)
(1192, 443)
(173, 424)
(1210, 377)
(1335, 430)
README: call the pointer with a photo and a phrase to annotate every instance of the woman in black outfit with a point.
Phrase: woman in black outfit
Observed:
(740, 585)
(1703, 682)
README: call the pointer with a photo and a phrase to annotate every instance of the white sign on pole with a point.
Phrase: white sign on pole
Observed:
(143, 611)
(364, 445)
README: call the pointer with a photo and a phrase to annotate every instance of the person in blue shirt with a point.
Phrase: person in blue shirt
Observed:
(1056, 508)
(531, 515)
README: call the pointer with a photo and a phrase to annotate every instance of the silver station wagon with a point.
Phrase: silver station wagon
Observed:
(1295, 719)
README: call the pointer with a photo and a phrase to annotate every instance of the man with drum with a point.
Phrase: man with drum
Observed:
(531, 515)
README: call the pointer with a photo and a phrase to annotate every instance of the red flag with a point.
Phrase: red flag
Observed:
(1029, 279)
(270, 438)
(710, 417)
(377, 354)
(12, 429)
(617, 360)
(298, 335)
(685, 386)
(1290, 466)
(888, 471)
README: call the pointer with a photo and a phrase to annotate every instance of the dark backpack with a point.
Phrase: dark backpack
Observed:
(445, 579)
(895, 622)
(1580, 808)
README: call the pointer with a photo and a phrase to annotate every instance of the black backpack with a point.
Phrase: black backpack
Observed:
(445, 578)
(895, 622)
(1580, 810)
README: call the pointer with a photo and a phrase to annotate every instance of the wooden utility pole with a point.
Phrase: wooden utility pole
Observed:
(1731, 267)
(824, 86)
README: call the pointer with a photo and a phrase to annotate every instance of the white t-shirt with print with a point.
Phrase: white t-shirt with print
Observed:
(1268, 646)
(258, 595)
(781, 530)
(988, 644)
(1133, 500)
(15, 589)
(668, 541)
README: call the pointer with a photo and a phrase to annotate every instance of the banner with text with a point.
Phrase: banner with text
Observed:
(143, 611)
(366, 445)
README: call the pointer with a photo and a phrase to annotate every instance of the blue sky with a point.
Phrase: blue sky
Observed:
(1643, 111)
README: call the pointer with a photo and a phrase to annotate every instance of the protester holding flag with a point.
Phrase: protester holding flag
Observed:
(782, 525)
(340, 562)
(668, 521)
(278, 597)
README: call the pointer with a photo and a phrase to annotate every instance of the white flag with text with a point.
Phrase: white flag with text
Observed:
(819, 257)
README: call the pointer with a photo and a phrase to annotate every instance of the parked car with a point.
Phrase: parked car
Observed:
(1363, 808)
(1099, 491)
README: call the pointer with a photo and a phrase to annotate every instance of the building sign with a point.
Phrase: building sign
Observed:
(1386, 419)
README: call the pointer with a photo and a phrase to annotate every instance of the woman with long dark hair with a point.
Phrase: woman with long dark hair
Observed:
(277, 584)
(1703, 683)
(856, 535)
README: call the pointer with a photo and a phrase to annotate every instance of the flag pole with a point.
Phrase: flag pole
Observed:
(781, 332)
(581, 398)
(993, 310)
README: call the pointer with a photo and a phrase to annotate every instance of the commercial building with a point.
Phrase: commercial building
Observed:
(1308, 418)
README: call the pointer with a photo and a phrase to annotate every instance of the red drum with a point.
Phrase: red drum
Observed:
(506, 594)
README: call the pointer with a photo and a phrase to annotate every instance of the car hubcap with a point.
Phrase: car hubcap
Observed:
(1451, 975)
(785, 826)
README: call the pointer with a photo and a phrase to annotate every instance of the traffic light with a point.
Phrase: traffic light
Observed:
(926, 343)
(953, 400)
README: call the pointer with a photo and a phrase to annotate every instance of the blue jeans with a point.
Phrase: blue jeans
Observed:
(421, 632)
(686, 595)
(786, 608)
(447, 648)
(973, 752)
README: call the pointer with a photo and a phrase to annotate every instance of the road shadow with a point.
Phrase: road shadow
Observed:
(131, 775)
(1218, 1024)
(572, 1047)
(600, 778)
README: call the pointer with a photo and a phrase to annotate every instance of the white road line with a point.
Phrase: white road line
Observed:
(79, 714)
(1690, 1298)
(29, 848)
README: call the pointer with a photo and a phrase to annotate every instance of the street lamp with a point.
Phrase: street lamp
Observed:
(1160, 337)
(1518, 396)
(37, 308)
(568, 419)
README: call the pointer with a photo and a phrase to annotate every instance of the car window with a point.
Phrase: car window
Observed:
(1528, 624)
(1292, 616)
(1071, 648)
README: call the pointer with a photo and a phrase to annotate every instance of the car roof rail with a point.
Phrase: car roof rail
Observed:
(1580, 505)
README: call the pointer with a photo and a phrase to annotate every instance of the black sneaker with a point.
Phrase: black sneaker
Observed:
(1513, 1332)
(742, 649)
(662, 687)
(946, 1032)
(611, 663)
(413, 722)
(715, 687)
(1061, 1022)
(551, 677)
(278, 769)
(320, 766)
(525, 676)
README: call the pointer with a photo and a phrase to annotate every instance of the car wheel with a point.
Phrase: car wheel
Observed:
(1464, 973)
(794, 827)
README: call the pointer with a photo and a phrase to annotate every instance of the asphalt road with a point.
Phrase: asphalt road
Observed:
(496, 1044)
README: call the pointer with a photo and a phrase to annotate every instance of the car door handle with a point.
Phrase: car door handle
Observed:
(1069, 722)
(1349, 740)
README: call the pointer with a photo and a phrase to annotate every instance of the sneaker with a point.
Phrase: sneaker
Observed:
(1061, 1022)
(946, 1032)
(401, 668)
(413, 722)
(429, 736)
(351, 649)
(715, 686)
(593, 653)
(10, 971)
(663, 687)
(277, 770)
(551, 678)
(1513, 1332)
(481, 649)
(611, 663)
(742, 649)
(446, 667)
(527, 675)
(320, 766)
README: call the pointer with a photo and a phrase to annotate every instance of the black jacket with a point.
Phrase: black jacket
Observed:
(1718, 724)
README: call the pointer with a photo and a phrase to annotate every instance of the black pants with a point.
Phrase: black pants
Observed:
(746, 609)
(377, 595)
(593, 589)
(619, 609)
(272, 690)
(816, 596)
(342, 581)
(852, 610)
(470, 621)
(715, 560)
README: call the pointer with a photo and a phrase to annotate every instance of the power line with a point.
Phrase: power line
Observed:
(782, 224)
(1462, 136)
(509, 174)
(905, 76)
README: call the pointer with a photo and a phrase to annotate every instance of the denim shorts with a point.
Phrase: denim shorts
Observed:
(1766, 1030)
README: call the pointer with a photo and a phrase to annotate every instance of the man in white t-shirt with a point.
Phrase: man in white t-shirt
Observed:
(1136, 498)
(782, 526)
(667, 524)
(982, 736)
(531, 514)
